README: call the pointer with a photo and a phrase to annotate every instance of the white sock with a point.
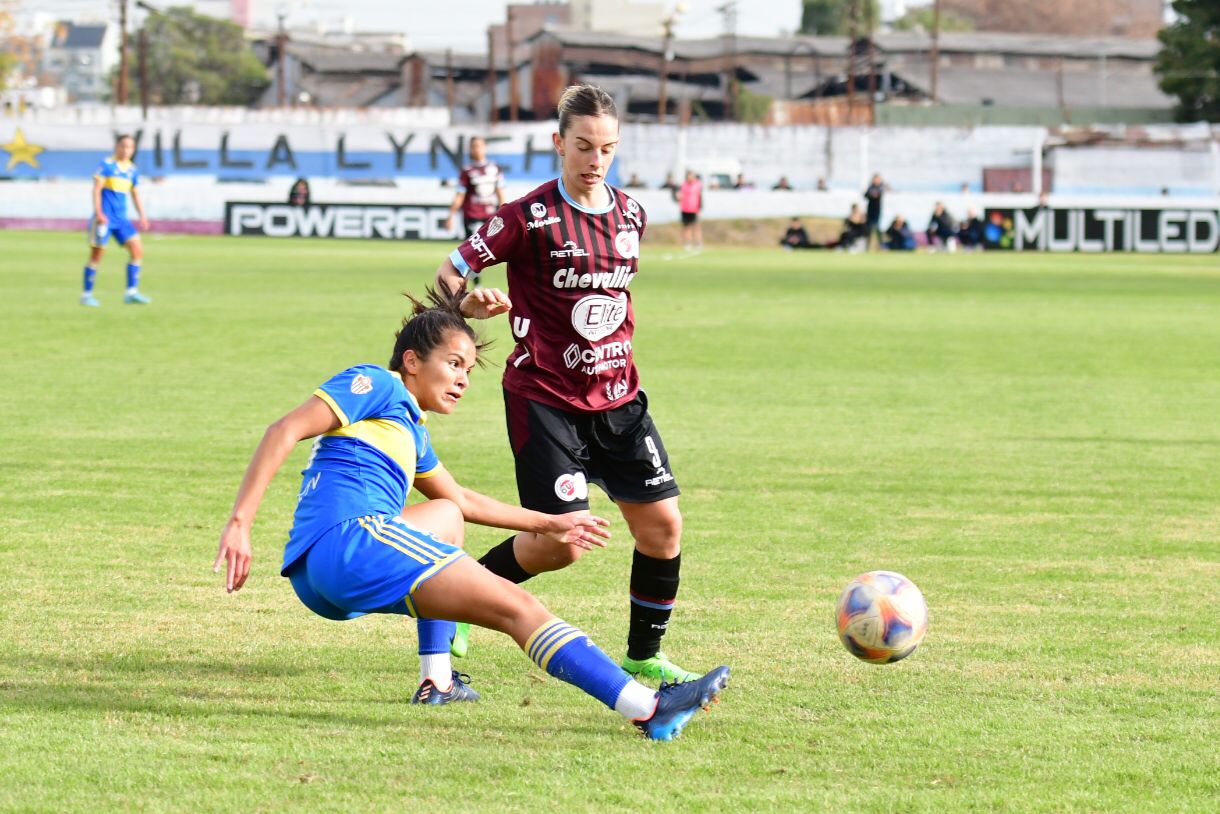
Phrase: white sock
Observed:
(132, 290)
(636, 702)
(438, 667)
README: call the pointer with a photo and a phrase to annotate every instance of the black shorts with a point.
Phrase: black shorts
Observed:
(559, 453)
(689, 218)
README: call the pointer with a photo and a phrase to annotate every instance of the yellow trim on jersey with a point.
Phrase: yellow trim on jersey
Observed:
(334, 407)
(429, 473)
(389, 437)
(549, 651)
(116, 184)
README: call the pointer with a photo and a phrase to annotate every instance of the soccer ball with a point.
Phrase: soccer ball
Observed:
(882, 617)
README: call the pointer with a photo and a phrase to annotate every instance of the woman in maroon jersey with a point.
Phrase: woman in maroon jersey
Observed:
(575, 411)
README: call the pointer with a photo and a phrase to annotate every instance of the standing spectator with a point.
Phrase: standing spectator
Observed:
(898, 237)
(670, 185)
(942, 231)
(822, 187)
(480, 191)
(742, 183)
(634, 182)
(690, 204)
(796, 237)
(872, 196)
(782, 183)
(299, 194)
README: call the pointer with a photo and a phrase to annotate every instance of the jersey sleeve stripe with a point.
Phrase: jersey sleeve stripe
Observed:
(429, 473)
(459, 263)
(334, 406)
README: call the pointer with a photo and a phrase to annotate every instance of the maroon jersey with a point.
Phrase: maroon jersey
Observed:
(568, 271)
(479, 182)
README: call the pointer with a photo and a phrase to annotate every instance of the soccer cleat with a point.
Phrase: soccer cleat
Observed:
(460, 691)
(676, 703)
(460, 642)
(90, 300)
(658, 668)
(136, 299)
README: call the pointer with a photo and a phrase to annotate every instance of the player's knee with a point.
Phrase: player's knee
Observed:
(451, 524)
(659, 534)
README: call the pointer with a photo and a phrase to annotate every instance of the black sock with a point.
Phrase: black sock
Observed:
(654, 584)
(502, 562)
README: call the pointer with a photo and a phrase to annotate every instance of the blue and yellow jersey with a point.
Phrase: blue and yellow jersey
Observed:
(369, 463)
(118, 179)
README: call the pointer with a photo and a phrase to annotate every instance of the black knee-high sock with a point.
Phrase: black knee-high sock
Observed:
(654, 585)
(502, 562)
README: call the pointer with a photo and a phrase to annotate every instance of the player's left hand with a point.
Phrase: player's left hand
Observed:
(235, 551)
(579, 529)
(483, 303)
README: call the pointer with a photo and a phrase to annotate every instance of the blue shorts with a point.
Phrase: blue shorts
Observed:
(370, 564)
(122, 229)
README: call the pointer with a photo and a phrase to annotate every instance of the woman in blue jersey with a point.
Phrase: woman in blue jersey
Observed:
(356, 548)
(116, 180)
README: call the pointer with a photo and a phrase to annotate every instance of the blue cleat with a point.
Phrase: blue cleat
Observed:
(460, 691)
(136, 299)
(676, 703)
(90, 300)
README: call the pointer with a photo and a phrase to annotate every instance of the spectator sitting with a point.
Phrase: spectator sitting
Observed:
(822, 187)
(796, 237)
(782, 183)
(741, 182)
(670, 184)
(898, 237)
(634, 182)
(855, 231)
(970, 232)
(299, 194)
(942, 231)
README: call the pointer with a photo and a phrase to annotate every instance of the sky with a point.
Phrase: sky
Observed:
(457, 24)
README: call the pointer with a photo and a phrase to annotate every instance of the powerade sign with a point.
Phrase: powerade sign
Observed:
(352, 221)
(1194, 231)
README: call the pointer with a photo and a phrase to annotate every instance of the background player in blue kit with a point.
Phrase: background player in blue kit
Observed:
(355, 547)
(116, 180)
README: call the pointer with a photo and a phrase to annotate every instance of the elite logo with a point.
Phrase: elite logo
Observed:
(496, 224)
(597, 316)
(569, 487)
(627, 244)
(361, 385)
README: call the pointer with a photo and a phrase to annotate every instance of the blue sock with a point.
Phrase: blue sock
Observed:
(90, 276)
(434, 635)
(567, 654)
(133, 275)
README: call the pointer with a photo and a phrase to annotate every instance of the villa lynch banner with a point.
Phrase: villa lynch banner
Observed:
(1194, 231)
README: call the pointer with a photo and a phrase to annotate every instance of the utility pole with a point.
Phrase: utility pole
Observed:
(667, 27)
(449, 81)
(935, 51)
(729, 10)
(514, 99)
(121, 91)
(853, 32)
(281, 43)
(493, 115)
(872, 65)
(142, 56)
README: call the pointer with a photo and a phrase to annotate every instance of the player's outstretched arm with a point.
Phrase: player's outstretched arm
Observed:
(314, 417)
(579, 529)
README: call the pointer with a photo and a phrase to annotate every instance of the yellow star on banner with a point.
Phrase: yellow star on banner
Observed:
(21, 151)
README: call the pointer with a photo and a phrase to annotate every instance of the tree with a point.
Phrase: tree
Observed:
(1189, 62)
(8, 62)
(193, 59)
(828, 18)
(921, 18)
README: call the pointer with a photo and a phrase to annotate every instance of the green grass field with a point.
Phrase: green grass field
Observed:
(1032, 439)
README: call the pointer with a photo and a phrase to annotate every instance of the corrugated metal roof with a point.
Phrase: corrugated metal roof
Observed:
(70, 35)
(1039, 88)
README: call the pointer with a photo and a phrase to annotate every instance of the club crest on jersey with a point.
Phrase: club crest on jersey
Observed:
(597, 316)
(569, 487)
(538, 210)
(361, 384)
(570, 249)
(632, 206)
(495, 225)
(627, 244)
(616, 391)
